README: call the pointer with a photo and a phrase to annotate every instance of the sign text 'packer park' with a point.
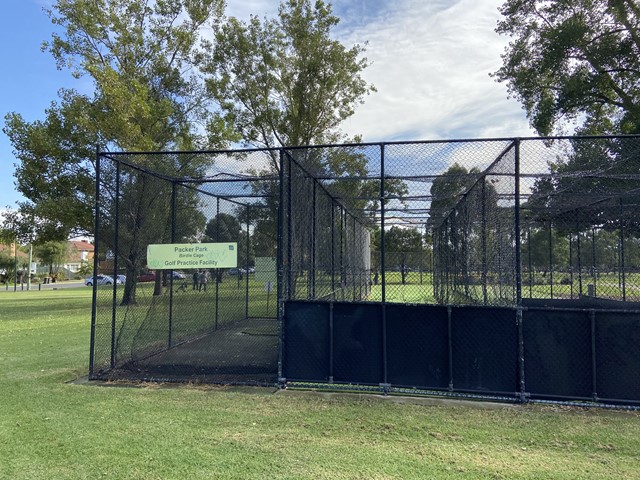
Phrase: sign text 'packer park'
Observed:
(192, 255)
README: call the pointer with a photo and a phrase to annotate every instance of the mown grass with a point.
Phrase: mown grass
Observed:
(50, 428)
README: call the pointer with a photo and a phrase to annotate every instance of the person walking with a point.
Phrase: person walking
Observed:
(196, 277)
(203, 281)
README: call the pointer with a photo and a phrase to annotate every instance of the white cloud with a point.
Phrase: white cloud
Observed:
(431, 65)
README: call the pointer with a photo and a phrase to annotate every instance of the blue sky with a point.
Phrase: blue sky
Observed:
(430, 63)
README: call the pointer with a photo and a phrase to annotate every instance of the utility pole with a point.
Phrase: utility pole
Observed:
(29, 267)
(15, 265)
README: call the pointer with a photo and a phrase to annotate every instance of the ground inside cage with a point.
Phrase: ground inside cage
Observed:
(242, 352)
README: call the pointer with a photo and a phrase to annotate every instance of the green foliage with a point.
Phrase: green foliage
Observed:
(547, 250)
(146, 95)
(574, 60)
(223, 228)
(447, 189)
(285, 81)
(53, 254)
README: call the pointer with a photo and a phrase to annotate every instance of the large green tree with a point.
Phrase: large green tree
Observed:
(403, 249)
(54, 254)
(146, 95)
(283, 82)
(574, 60)
(286, 81)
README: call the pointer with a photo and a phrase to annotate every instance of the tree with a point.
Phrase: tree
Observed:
(53, 254)
(574, 60)
(446, 191)
(147, 96)
(223, 228)
(400, 244)
(285, 81)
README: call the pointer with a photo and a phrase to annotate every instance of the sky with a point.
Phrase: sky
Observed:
(430, 62)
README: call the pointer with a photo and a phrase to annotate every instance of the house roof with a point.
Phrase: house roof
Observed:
(82, 245)
(6, 249)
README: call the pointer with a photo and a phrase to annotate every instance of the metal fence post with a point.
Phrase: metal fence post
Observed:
(450, 345)
(579, 262)
(173, 239)
(116, 243)
(571, 263)
(333, 250)
(593, 262)
(550, 260)
(529, 261)
(522, 389)
(594, 384)
(622, 265)
(246, 265)
(383, 267)
(331, 346)
(517, 223)
(217, 270)
(290, 265)
(281, 269)
(96, 232)
(312, 269)
(483, 235)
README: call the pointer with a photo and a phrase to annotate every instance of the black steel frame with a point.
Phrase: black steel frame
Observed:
(521, 233)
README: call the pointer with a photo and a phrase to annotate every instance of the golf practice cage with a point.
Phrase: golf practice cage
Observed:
(501, 269)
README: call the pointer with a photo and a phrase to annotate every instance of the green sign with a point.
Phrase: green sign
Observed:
(192, 255)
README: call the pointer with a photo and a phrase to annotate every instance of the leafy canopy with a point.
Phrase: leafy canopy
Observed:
(146, 95)
(285, 81)
(574, 60)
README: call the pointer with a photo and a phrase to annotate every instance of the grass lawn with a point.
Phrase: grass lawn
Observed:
(52, 429)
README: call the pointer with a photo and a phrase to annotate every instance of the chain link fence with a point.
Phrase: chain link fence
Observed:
(506, 268)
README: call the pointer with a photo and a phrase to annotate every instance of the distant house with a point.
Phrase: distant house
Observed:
(80, 251)
(9, 251)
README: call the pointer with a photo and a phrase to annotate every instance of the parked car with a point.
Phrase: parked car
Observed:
(100, 280)
(236, 271)
(147, 277)
(121, 279)
(178, 275)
